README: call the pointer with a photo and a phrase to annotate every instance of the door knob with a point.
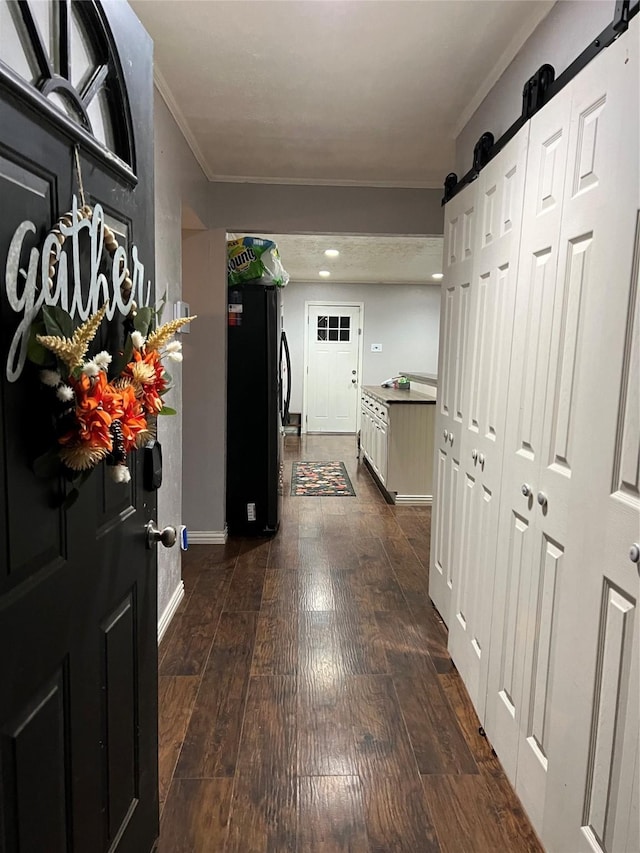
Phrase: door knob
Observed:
(445, 435)
(474, 455)
(167, 536)
(354, 381)
(634, 553)
(526, 489)
(451, 438)
(481, 458)
(353, 372)
(542, 499)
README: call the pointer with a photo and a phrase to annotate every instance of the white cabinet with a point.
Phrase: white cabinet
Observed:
(396, 439)
(538, 498)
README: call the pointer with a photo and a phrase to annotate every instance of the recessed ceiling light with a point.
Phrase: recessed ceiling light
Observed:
(324, 273)
(437, 275)
(331, 253)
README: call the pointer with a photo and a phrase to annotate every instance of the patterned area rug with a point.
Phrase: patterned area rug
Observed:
(325, 479)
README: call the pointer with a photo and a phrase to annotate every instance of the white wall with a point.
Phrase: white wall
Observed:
(568, 28)
(404, 318)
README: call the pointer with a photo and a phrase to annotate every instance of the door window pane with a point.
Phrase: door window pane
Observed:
(16, 50)
(83, 58)
(334, 328)
(46, 17)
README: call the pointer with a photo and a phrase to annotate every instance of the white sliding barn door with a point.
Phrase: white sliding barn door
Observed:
(459, 250)
(532, 542)
(500, 201)
(592, 796)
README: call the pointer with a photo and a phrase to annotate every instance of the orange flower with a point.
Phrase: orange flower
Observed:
(148, 375)
(133, 420)
(97, 404)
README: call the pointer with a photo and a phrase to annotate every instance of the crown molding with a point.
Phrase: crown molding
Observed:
(172, 105)
(328, 182)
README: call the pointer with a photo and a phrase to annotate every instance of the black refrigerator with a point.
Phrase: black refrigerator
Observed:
(258, 393)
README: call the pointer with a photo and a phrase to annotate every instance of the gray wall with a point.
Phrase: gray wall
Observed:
(177, 177)
(404, 318)
(282, 209)
(204, 265)
(558, 39)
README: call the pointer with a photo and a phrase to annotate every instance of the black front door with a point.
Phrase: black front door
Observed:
(78, 622)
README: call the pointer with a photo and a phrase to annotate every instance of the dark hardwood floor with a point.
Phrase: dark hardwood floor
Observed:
(307, 700)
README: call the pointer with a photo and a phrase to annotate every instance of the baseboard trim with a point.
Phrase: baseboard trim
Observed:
(170, 609)
(207, 537)
(413, 500)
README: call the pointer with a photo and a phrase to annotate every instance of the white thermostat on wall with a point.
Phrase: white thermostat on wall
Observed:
(376, 347)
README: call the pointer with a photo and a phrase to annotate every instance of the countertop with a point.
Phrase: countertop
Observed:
(425, 378)
(389, 396)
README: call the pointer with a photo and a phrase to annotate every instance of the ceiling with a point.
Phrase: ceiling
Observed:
(343, 92)
(368, 260)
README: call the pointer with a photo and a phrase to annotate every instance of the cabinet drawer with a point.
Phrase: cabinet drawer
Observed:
(380, 411)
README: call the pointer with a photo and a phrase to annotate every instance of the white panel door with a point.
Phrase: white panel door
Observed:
(332, 381)
(459, 249)
(591, 802)
(531, 545)
(493, 287)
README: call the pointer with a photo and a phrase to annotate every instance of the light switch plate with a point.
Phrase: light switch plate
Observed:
(376, 347)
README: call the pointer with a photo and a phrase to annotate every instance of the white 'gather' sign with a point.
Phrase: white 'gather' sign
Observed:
(27, 299)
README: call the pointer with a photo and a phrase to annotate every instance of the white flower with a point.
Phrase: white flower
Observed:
(103, 359)
(120, 473)
(90, 368)
(138, 339)
(173, 346)
(175, 356)
(51, 378)
(64, 393)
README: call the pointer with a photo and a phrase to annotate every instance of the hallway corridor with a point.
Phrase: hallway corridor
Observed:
(307, 700)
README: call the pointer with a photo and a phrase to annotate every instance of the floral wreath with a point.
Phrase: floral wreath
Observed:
(104, 406)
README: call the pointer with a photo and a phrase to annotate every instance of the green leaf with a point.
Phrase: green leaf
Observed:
(161, 306)
(47, 465)
(142, 320)
(167, 410)
(71, 498)
(57, 321)
(36, 353)
(121, 360)
(168, 377)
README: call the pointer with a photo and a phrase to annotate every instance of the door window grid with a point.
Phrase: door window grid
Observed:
(54, 45)
(333, 328)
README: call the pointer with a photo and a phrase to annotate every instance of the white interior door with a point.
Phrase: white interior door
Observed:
(592, 796)
(493, 291)
(459, 250)
(333, 375)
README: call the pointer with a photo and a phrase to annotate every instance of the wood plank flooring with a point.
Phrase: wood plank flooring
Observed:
(307, 699)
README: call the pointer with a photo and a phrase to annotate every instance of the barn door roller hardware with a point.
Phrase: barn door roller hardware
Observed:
(537, 92)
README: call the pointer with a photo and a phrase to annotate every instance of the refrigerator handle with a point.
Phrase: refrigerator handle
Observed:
(285, 408)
